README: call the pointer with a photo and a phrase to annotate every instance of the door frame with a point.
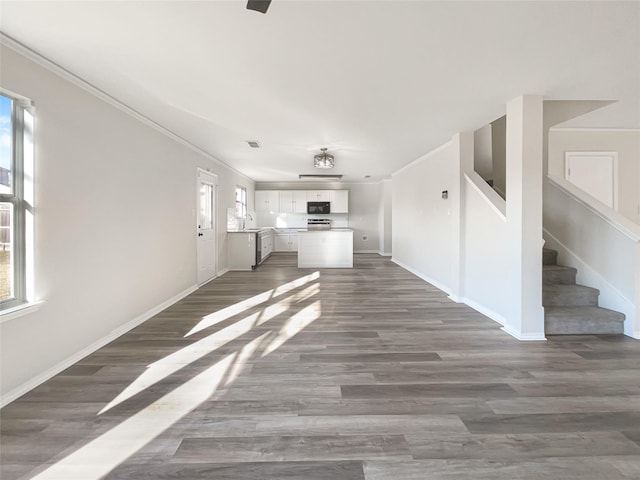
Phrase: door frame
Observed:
(569, 155)
(214, 213)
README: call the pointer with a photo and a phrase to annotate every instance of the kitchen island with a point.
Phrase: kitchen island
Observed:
(325, 248)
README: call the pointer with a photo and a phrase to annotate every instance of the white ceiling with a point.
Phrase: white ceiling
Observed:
(378, 82)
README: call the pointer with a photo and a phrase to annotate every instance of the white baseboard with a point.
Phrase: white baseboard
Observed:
(487, 312)
(76, 357)
(424, 277)
(524, 337)
(223, 271)
(384, 254)
(366, 251)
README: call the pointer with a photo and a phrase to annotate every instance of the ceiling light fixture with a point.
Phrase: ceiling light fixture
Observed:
(323, 160)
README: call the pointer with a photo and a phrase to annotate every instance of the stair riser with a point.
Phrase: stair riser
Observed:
(578, 299)
(562, 277)
(549, 257)
(565, 326)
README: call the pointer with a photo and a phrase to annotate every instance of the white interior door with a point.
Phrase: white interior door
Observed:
(595, 173)
(206, 226)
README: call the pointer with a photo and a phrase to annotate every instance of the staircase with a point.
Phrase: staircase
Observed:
(571, 309)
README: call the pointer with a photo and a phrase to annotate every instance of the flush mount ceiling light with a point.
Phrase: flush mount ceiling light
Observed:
(323, 160)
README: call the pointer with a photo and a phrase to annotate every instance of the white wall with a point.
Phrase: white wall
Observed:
(422, 220)
(487, 270)
(385, 215)
(482, 152)
(475, 246)
(625, 142)
(115, 223)
(499, 155)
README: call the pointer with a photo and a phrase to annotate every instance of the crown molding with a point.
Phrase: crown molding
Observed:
(593, 129)
(71, 77)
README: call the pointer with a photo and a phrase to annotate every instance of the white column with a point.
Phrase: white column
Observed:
(462, 144)
(524, 216)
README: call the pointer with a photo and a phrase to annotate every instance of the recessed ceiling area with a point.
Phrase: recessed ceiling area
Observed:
(378, 83)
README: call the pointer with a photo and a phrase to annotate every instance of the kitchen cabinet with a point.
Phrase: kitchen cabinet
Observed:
(266, 243)
(339, 201)
(293, 201)
(286, 241)
(267, 200)
(318, 196)
(242, 250)
(326, 248)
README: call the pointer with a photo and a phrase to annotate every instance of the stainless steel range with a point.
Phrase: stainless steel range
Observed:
(318, 224)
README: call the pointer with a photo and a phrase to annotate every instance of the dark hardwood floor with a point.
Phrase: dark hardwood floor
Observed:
(363, 373)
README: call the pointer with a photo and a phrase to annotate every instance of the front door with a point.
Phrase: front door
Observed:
(206, 226)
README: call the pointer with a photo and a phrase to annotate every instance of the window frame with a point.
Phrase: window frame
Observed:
(21, 198)
(242, 212)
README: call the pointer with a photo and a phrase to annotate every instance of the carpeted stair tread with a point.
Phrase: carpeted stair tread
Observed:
(554, 274)
(569, 295)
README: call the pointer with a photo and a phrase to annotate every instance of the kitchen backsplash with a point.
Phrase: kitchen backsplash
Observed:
(299, 220)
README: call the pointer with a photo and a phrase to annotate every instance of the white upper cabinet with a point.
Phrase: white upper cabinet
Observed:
(293, 201)
(318, 196)
(339, 201)
(299, 201)
(267, 200)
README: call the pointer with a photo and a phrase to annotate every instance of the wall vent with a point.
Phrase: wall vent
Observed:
(253, 143)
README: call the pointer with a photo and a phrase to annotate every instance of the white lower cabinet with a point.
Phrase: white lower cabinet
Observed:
(242, 251)
(286, 241)
(266, 243)
(326, 249)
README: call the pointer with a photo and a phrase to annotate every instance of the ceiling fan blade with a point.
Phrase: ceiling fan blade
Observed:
(258, 5)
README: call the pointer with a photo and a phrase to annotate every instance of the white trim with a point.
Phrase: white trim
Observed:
(366, 251)
(223, 271)
(614, 174)
(496, 317)
(20, 311)
(607, 214)
(524, 337)
(24, 101)
(104, 96)
(422, 158)
(76, 357)
(384, 254)
(497, 203)
(592, 129)
(487, 312)
(635, 334)
(422, 276)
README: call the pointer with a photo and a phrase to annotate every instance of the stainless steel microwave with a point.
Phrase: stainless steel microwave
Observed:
(318, 207)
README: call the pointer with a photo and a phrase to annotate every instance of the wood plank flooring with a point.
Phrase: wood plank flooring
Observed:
(364, 373)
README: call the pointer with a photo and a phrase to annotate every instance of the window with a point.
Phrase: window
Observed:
(241, 202)
(16, 201)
